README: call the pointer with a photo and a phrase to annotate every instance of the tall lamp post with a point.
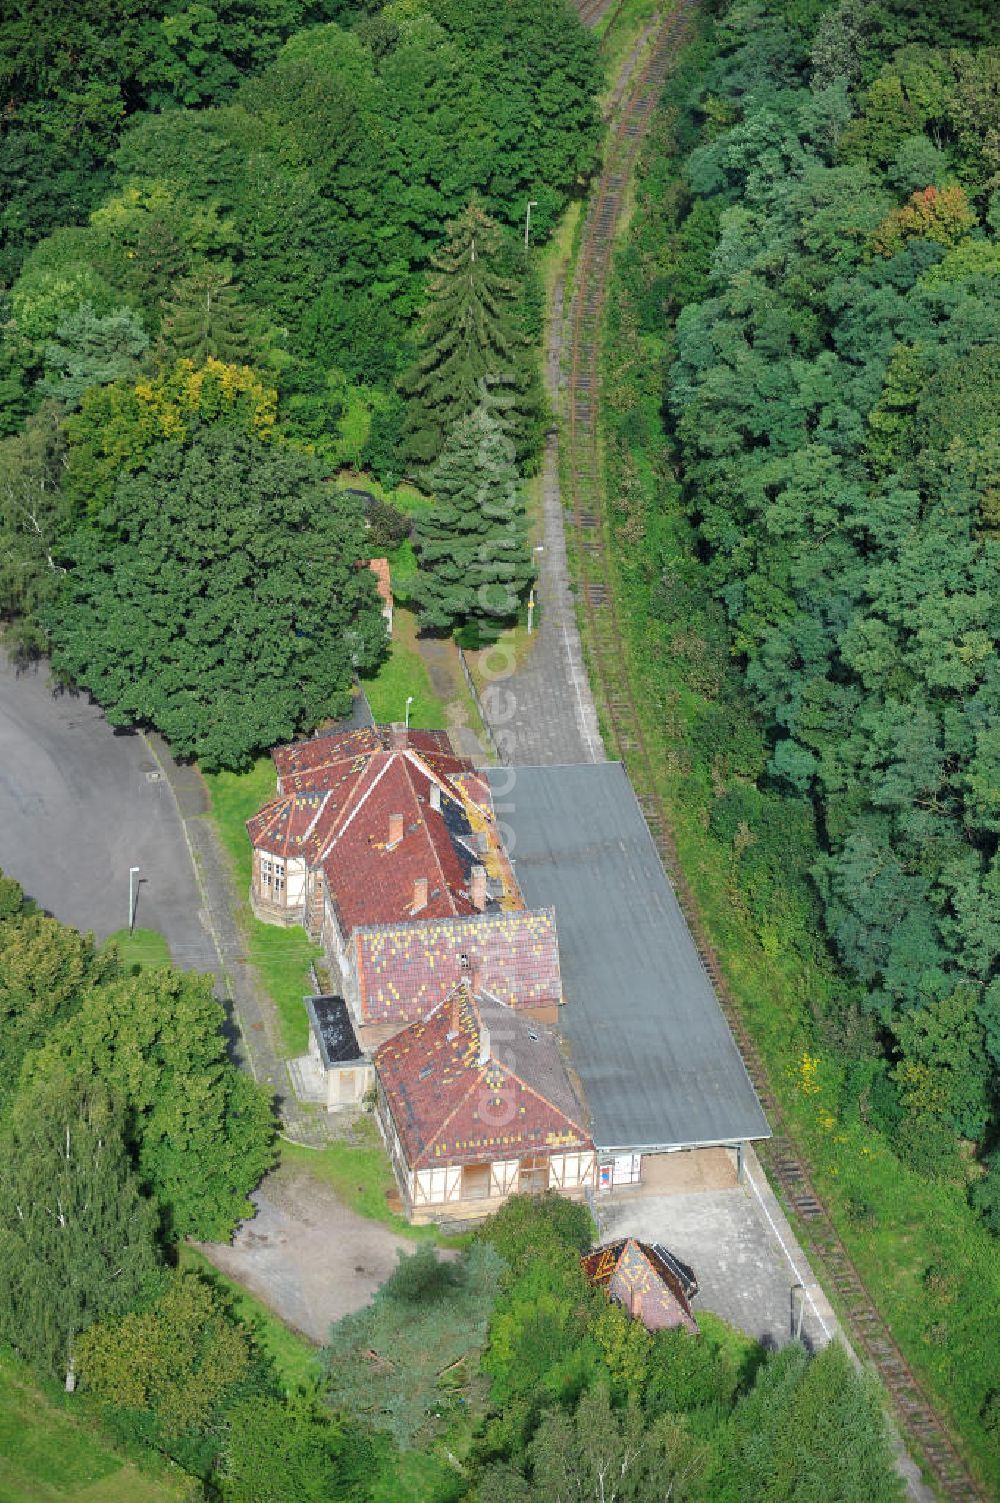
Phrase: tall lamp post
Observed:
(133, 872)
(532, 204)
(409, 701)
(539, 548)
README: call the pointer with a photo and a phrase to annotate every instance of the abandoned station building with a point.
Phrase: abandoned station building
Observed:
(503, 1055)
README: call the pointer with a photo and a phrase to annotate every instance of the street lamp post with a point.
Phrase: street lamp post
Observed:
(532, 204)
(133, 872)
(538, 548)
(409, 701)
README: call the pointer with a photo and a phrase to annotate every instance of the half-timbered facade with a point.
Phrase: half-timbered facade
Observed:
(475, 1104)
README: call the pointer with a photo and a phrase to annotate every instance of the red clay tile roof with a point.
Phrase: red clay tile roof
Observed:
(383, 578)
(404, 970)
(361, 779)
(336, 748)
(636, 1278)
(283, 827)
(449, 1108)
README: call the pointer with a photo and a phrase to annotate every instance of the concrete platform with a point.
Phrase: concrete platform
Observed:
(749, 1267)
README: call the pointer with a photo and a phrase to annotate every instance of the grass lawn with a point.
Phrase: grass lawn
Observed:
(295, 1358)
(404, 497)
(403, 569)
(553, 257)
(422, 1477)
(281, 957)
(143, 947)
(404, 673)
(52, 1452)
(360, 1174)
(236, 796)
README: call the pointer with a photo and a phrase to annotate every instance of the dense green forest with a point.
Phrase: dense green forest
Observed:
(244, 247)
(801, 386)
(299, 224)
(497, 1376)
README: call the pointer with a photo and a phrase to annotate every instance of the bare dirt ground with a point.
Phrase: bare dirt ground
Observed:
(309, 1257)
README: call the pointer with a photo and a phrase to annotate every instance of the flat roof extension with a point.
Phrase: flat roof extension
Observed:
(646, 1035)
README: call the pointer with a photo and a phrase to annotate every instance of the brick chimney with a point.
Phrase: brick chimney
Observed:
(395, 829)
(477, 888)
(398, 736)
(419, 893)
(435, 796)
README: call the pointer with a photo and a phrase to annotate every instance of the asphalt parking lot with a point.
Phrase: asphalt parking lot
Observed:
(80, 804)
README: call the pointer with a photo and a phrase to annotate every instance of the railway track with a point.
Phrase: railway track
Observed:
(591, 11)
(922, 1428)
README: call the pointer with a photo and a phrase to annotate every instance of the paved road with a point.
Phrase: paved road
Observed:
(544, 713)
(79, 805)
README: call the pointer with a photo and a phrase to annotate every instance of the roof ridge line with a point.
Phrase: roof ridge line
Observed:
(355, 811)
(319, 810)
(430, 838)
(543, 1099)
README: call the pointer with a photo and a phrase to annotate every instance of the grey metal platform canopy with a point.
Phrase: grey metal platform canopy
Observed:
(645, 1032)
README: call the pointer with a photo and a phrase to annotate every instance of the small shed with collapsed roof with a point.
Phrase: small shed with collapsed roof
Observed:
(637, 1277)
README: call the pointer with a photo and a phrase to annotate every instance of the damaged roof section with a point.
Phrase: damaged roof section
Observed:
(405, 970)
(477, 1080)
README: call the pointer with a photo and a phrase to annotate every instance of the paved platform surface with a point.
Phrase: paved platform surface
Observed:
(744, 1273)
(543, 714)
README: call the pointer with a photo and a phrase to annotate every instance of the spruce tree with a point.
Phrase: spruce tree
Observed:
(472, 551)
(77, 1239)
(202, 317)
(474, 346)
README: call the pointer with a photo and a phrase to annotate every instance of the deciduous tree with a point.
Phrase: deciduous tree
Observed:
(201, 1129)
(77, 1238)
(176, 1359)
(218, 597)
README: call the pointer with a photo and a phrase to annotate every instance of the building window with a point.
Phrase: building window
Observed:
(476, 1182)
(534, 1175)
(435, 1184)
(272, 878)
